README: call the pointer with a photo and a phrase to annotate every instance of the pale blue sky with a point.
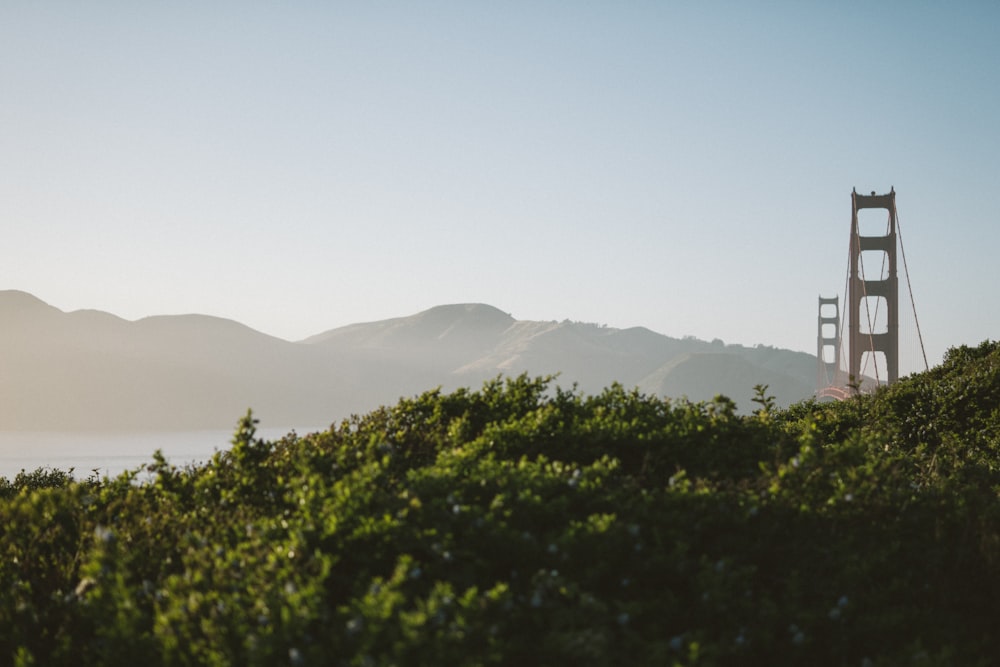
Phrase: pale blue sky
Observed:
(682, 166)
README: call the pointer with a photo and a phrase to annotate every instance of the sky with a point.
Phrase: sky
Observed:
(683, 166)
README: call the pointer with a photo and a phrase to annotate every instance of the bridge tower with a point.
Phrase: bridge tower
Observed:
(828, 343)
(873, 293)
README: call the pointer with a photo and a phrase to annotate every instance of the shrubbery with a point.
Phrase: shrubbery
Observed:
(526, 524)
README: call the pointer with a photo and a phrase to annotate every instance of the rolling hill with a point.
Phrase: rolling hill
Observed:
(90, 370)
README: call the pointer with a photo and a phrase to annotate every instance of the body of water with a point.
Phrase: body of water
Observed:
(109, 454)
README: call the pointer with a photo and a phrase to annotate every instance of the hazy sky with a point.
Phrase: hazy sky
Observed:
(684, 166)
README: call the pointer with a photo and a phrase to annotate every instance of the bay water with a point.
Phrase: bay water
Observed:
(109, 454)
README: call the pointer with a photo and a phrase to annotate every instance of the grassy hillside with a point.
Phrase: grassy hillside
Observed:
(524, 524)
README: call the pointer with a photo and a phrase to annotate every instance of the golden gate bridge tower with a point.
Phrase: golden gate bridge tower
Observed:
(830, 380)
(872, 305)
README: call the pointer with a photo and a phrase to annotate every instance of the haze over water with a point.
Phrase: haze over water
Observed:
(109, 454)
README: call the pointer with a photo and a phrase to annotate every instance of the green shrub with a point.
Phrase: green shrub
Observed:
(523, 523)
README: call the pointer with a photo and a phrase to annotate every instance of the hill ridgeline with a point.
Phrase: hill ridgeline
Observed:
(95, 371)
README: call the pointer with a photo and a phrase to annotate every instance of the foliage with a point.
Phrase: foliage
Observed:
(524, 523)
(40, 478)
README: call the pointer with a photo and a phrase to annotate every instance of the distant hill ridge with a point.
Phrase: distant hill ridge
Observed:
(88, 369)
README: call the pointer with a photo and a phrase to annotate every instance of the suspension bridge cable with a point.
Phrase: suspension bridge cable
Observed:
(909, 288)
(843, 314)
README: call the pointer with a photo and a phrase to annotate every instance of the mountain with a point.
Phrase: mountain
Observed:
(702, 375)
(92, 370)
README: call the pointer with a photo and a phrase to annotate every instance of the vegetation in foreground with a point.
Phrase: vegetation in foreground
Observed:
(524, 524)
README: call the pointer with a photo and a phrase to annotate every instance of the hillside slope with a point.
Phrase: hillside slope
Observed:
(93, 370)
(701, 376)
